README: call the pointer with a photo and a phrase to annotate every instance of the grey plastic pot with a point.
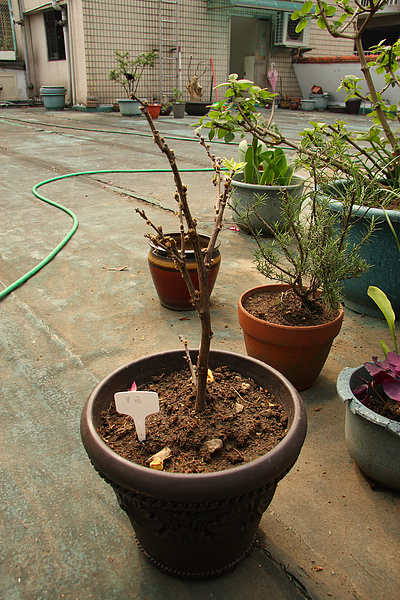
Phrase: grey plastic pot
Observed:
(373, 441)
(129, 108)
(245, 195)
(178, 109)
(321, 100)
(194, 525)
(53, 97)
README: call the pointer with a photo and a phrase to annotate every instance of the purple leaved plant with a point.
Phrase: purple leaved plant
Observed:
(384, 372)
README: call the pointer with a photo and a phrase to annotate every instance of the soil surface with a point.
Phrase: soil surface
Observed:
(384, 406)
(241, 423)
(285, 308)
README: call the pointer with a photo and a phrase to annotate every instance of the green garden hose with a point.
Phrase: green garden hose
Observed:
(52, 254)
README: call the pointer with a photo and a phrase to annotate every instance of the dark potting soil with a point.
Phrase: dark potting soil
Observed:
(384, 406)
(285, 308)
(247, 420)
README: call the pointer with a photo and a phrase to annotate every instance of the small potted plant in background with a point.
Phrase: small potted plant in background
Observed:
(178, 104)
(128, 73)
(371, 393)
(166, 106)
(196, 106)
(92, 101)
(198, 522)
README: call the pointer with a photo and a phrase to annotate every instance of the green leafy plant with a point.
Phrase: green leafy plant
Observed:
(129, 70)
(309, 251)
(177, 96)
(236, 115)
(264, 166)
(341, 19)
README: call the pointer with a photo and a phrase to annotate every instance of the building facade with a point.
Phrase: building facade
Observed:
(72, 43)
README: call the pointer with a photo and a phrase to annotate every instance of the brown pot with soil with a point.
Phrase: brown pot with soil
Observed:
(299, 352)
(170, 285)
(194, 525)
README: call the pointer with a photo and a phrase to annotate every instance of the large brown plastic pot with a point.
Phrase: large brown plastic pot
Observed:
(297, 352)
(169, 283)
(194, 525)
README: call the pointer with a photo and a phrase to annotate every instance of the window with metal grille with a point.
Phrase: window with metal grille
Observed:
(54, 35)
(6, 31)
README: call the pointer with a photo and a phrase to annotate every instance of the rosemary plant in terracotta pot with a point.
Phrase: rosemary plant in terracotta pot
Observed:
(291, 325)
(192, 517)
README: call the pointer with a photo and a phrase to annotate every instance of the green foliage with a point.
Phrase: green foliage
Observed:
(238, 114)
(129, 70)
(264, 166)
(177, 95)
(367, 155)
(384, 305)
(310, 251)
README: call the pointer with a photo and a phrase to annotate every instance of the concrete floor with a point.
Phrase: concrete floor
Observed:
(327, 533)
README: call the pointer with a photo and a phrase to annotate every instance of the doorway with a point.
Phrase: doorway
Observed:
(249, 48)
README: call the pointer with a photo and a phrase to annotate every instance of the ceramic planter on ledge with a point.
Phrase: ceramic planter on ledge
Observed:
(169, 283)
(299, 353)
(194, 525)
(373, 441)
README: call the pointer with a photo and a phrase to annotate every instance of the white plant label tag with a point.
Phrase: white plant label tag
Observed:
(137, 405)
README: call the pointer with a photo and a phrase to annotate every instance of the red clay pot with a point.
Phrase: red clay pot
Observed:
(299, 353)
(169, 283)
(154, 110)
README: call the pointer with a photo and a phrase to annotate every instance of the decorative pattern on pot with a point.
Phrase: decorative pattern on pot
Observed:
(299, 353)
(169, 284)
(373, 441)
(194, 525)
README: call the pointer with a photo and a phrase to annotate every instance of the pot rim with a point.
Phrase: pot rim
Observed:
(366, 211)
(267, 287)
(188, 251)
(256, 187)
(198, 487)
(345, 384)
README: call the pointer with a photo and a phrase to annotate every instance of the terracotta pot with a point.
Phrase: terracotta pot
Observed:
(194, 525)
(169, 283)
(297, 352)
(154, 110)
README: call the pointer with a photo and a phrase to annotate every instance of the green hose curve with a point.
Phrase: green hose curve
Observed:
(69, 212)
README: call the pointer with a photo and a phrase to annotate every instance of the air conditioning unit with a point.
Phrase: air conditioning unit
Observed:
(285, 32)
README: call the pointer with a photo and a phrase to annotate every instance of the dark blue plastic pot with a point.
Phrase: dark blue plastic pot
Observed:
(381, 252)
